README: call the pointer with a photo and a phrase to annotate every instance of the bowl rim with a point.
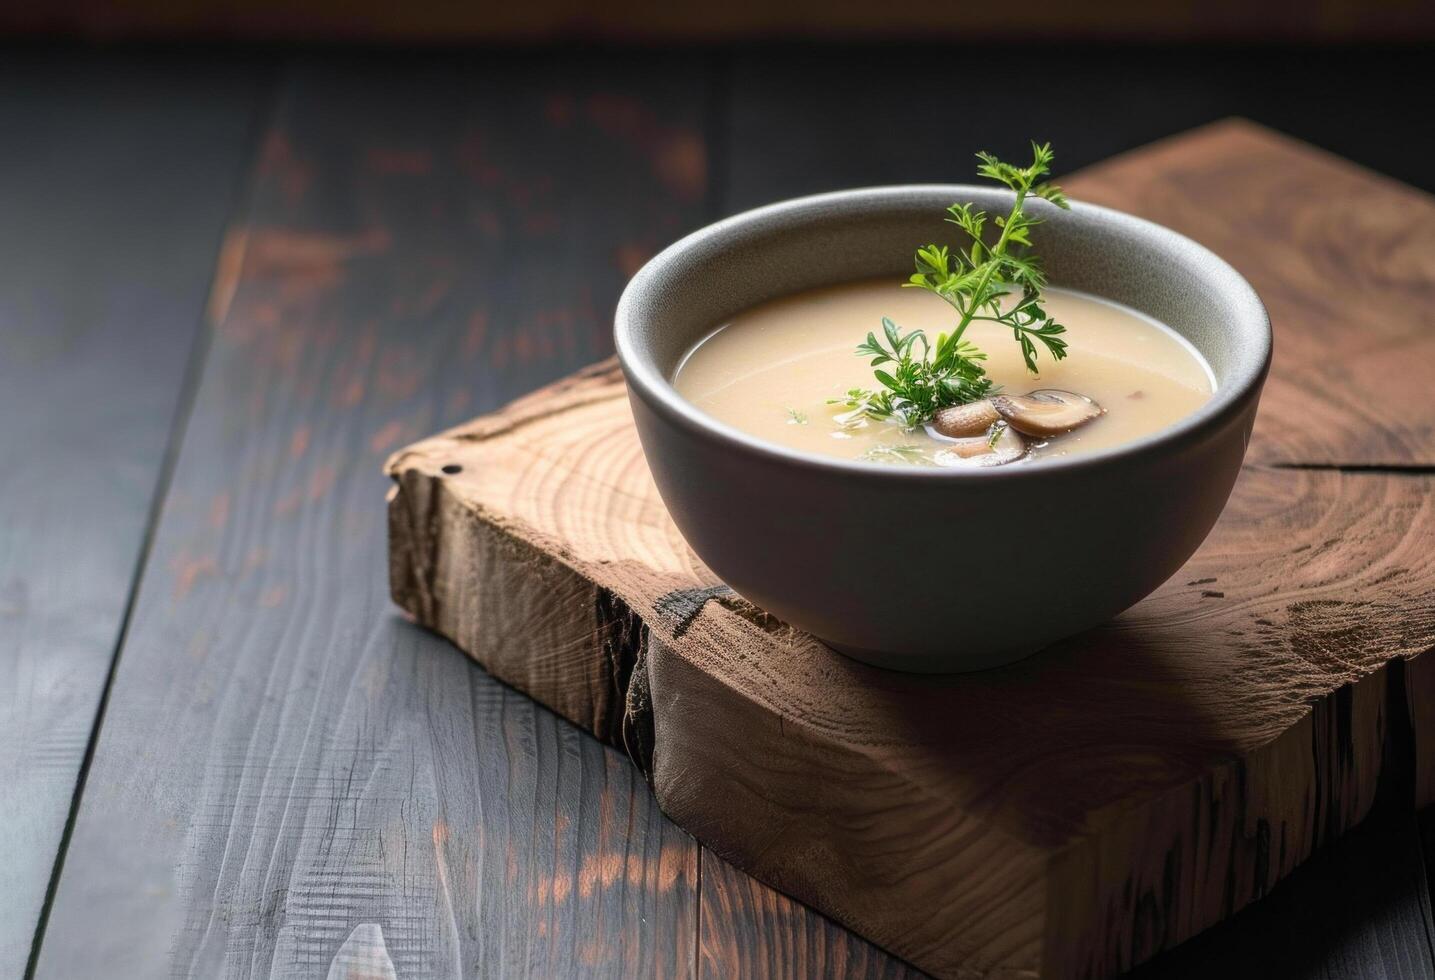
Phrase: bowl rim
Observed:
(1247, 374)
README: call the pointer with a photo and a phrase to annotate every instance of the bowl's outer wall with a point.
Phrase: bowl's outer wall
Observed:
(953, 571)
(941, 577)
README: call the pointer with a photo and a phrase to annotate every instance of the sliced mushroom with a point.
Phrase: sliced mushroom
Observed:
(1047, 412)
(961, 421)
(1000, 444)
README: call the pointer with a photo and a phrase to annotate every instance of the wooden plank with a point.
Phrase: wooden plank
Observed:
(1345, 262)
(116, 180)
(286, 769)
(1074, 813)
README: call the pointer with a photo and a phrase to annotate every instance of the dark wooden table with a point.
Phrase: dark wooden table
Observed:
(229, 286)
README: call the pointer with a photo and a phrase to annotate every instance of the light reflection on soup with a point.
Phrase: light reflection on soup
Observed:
(772, 370)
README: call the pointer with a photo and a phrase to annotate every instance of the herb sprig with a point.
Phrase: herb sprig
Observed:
(917, 384)
(974, 281)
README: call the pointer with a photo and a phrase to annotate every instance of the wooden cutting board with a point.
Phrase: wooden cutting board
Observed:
(1070, 815)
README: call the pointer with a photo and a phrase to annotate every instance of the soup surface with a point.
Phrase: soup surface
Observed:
(772, 370)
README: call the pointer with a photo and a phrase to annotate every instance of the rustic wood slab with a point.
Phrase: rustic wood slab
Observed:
(1067, 816)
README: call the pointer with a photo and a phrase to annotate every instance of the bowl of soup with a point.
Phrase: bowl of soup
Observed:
(897, 545)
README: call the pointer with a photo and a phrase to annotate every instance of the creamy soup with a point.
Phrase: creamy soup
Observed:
(774, 369)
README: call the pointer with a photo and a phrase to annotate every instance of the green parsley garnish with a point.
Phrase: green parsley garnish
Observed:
(795, 416)
(918, 379)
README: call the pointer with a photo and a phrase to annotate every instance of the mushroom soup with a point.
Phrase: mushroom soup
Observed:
(782, 370)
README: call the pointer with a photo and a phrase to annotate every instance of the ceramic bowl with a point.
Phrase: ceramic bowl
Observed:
(1046, 547)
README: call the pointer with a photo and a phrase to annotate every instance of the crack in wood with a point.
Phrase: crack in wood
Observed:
(625, 648)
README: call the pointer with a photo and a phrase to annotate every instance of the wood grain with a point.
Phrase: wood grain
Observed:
(1072, 814)
(289, 777)
(115, 183)
(1344, 260)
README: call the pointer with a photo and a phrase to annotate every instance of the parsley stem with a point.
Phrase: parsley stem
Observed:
(998, 249)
